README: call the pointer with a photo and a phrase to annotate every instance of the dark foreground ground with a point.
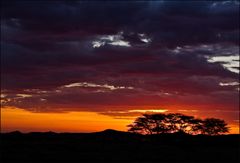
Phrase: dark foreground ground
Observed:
(114, 146)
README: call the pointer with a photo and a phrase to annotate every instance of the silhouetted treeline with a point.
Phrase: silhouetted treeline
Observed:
(176, 122)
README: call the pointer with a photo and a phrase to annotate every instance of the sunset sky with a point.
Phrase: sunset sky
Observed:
(89, 66)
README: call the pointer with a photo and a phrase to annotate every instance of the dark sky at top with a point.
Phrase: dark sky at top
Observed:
(101, 56)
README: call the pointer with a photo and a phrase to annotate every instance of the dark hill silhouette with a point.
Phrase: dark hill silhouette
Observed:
(118, 146)
(110, 132)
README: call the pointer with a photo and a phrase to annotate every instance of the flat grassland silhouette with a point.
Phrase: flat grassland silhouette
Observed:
(152, 139)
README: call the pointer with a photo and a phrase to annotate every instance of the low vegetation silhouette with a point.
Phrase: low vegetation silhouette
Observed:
(177, 123)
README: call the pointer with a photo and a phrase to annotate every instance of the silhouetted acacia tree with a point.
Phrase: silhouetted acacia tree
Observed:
(176, 122)
(196, 127)
(159, 123)
(213, 126)
(180, 122)
(142, 125)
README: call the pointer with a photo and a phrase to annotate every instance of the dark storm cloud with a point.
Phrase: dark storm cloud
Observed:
(166, 18)
(161, 49)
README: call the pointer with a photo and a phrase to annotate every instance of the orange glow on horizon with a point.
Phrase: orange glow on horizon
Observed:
(13, 119)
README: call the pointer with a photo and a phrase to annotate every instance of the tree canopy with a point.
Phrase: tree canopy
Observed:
(176, 122)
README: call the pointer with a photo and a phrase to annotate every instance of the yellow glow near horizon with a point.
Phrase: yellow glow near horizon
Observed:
(13, 119)
(150, 110)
